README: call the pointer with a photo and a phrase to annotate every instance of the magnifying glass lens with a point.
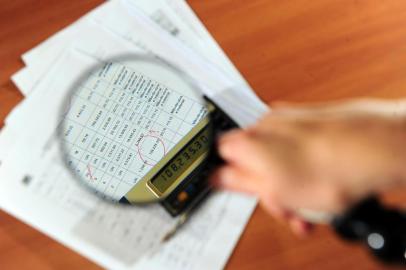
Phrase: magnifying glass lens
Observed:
(137, 131)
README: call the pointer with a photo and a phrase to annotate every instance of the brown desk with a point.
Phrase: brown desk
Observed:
(295, 50)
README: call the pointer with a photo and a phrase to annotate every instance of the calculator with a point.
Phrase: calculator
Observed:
(181, 177)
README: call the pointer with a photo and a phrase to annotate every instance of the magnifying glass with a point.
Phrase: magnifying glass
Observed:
(136, 130)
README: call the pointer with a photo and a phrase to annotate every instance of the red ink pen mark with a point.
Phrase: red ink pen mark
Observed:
(89, 172)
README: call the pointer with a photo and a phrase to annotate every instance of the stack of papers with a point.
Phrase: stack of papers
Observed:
(35, 185)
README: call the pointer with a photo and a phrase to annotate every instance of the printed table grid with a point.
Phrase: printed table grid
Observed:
(146, 114)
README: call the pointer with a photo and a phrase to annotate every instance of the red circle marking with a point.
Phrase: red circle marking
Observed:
(139, 146)
(89, 172)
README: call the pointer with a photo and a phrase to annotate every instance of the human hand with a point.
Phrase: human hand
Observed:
(324, 157)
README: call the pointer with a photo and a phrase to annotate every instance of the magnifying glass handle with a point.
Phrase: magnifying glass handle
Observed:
(381, 229)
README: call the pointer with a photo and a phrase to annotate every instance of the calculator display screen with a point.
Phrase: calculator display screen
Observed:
(181, 161)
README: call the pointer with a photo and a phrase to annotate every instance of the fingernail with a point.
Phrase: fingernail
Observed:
(300, 228)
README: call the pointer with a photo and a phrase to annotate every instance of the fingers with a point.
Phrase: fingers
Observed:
(271, 170)
(308, 157)
(262, 153)
(239, 149)
(299, 226)
(234, 179)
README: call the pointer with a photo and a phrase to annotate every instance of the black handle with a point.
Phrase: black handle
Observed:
(381, 229)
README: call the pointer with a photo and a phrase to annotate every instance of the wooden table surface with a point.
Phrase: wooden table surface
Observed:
(295, 50)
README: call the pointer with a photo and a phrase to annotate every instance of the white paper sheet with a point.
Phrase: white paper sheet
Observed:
(54, 199)
(205, 243)
(159, 11)
(213, 80)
